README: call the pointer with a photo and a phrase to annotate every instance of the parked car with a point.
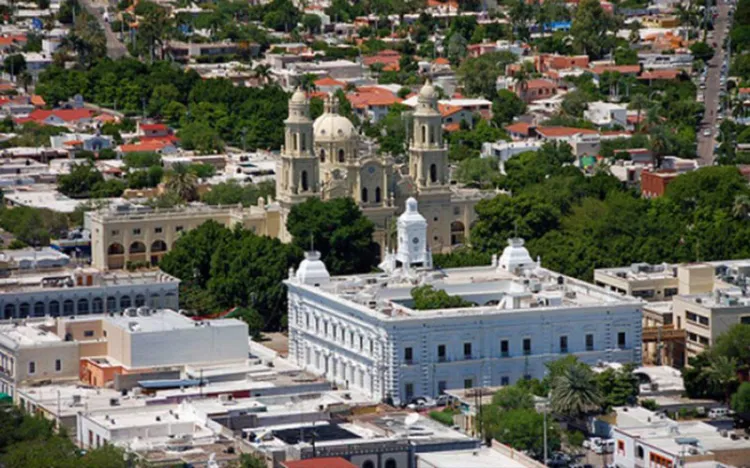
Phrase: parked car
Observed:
(422, 402)
(444, 400)
(716, 413)
(592, 442)
(606, 446)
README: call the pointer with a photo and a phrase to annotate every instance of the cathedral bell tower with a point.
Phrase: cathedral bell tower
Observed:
(428, 155)
(297, 175)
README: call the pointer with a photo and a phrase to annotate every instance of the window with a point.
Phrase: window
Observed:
(644, 293)
(745, 320)
(32, 367)
(341, 155)
(158, 230)
(504, 380)
(115, 232)
(391, 463)
(368, 464)
(468, 383)
(467, 350)
(433, 173)
(621, 340)
(639, 452)
(703, 340)
(668, 292)
(589, 342)
(364, 195)
(442, 386)
(621, 447)
(304, 181)
(178, 228)
(504, 348)
(408, 355)
(441, 353)
(563, 344)
(137, 231)
(526, 346)
(409, 391)
(88, 333)
(58, 365)
(361, 342)
(378, 195)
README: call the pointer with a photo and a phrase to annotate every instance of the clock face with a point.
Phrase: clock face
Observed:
(415, 241)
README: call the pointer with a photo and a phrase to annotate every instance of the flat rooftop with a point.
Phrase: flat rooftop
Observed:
(483, 458)
(647, 271)
(15, 335)
(44, 279)
(70, 399)
(162, 320)
(491, 289)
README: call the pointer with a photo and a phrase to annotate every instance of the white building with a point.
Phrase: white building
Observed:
(504, 150)
(362, 331)
(42, 283)
(606, 114)
(644, 438)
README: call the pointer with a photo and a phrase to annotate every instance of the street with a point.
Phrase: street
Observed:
(115, 48)
(713, 87)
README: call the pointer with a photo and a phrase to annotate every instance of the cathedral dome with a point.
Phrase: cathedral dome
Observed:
(299, 97)
(333, 127)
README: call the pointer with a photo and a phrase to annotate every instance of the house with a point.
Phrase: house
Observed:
(149, 146)
(628, 70)
(669, 74)
(329, 85)
(546, 62)
(372, 102)
(605, 114)
(80, 141)
(654, 182)
(536, 89)
(12, 42)
(388, 58)
(59, 117)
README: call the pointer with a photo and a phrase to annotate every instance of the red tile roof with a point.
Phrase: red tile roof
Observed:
(441, 61)
(660, 75)
(156, 127)
(561, 132)
(145, 146)
(540, 83)
(447, 109)
(366, 96)
(521, 128)
(327, 462)
(37, 100)
(328, 81)
(67, 115)
(623, 69)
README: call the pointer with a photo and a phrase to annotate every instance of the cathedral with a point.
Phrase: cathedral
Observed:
(327, 159)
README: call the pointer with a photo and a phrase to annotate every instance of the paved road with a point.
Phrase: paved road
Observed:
(713, 87)
(115, 48)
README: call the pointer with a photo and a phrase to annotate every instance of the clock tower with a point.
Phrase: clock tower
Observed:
(412, 238)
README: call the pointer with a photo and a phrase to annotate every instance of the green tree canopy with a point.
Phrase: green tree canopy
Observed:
(428, 298)
(336, 228)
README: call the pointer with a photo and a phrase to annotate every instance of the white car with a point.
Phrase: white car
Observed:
(707, 132)
(592, 442)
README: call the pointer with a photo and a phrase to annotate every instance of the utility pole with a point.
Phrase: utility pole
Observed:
(545, 432)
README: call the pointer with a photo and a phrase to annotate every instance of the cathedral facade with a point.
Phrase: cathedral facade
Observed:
(327, 159)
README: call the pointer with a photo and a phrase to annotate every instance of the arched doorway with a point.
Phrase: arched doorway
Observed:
(458, 233)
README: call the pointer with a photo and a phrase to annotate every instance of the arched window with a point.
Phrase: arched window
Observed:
(10, 310)
(432, 135)
(140, 300)
(54, 308)
(424, 133)
(304, 142)
(155, 300)
(294, 142)
(83, 306)
(115, 249)
(111, 304)
(368, 464)
(458, 233)
(639, 452)
(97, 305)
(364, 195)
(137, 247)
(341, 155)
(39, 309)
(322, 155)
(304, 181)
(433, 173)
(125, 302)
(68, 307)
(391, 463)
(158, 246)
(24, 310)
(378, 195)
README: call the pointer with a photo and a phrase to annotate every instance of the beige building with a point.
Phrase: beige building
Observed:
(690, 305)
(34, 353)
(123, 235)
(326, 158)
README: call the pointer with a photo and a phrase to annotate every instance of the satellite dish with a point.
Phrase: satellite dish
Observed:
(411, 419)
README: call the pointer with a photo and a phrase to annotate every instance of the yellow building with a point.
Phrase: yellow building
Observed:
(326, 158)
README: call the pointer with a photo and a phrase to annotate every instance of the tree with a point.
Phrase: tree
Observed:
(506, 107)
(479, 172)
(428, 298)
(263, 72)
(182, 182)
(723, 373)
(479, 75)
(336, 228)
(253, 320)
(14, 64)
(232, 193)
(513, 397)
(617, 387)
(702, 51)
(589, 29)
(456, 48)
(523, 429)
(312, 23)
(251, 461)
(741, 399)
(741, 207)
(638, 102)
(575, 393)
(84, 181)
(575, 103)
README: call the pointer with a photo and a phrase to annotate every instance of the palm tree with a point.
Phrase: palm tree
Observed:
(638, 102)
(307, 82)
(575, 393)
(263, 72)
(723, 373)
(521, 85)
(741, 207)
(659, 145)
(182, 182)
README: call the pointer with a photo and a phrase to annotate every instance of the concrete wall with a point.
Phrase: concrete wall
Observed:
(44, 359)
(130, 381)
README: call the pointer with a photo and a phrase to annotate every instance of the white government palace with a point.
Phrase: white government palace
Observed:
(326, 158)
(363, 332)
